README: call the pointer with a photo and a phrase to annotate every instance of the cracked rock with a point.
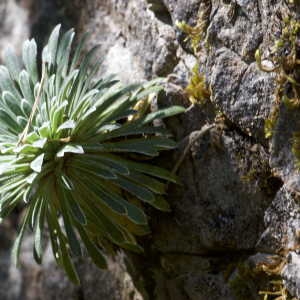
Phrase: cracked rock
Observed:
(222, 207)
(291, 274)
(238, 199)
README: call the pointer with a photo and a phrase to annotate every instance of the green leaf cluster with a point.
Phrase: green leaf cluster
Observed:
(72, 150)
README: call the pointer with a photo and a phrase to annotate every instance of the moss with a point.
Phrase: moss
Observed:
(196, 34)
(197, 90)
(262, 174)
(285, 59)
(243, 282)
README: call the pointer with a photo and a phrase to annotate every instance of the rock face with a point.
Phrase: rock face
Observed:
(235, 220)
(13, 24)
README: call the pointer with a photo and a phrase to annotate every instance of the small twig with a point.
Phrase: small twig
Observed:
(191, 142)
(34, 108)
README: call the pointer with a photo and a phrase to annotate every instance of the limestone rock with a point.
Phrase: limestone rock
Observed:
(291, 274)
(14, 27)
(237, 204)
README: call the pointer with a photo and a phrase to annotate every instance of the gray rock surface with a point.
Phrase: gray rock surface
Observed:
(223, 207)
(10, 277)
(14, 27)
(291, 274)
(236, 216)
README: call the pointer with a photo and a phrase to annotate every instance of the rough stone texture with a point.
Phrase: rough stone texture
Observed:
(241, 91)
(48, 281)
(147, 50)
(282, 223)
(223, 207)
(282, 158)
(113, 284)
(236, 213)
(291, 274)
(10, 277)
(14, 27)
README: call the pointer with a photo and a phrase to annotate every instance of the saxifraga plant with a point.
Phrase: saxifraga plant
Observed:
(71, 152)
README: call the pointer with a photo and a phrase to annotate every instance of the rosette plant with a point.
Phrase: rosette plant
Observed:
(76, 151)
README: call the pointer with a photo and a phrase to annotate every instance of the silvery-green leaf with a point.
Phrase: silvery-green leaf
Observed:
(107, 163)
(4, 167)
(46, 55)
(26, 107)
(77, 149)
(161, 204)
(109, 127)
(68, 265)
(31, 177)
(18, 241)
(11, 102)
(22, 121)
(32, 137)
(52, 45)
(29, 55)
(36, 165)
(76, 210)
(40, 143)
(67, 182)
(26, 149)
(92, 249)
(70, 124)
(58, 114)
(7, 84)
(72, 238)
(93, 168)
(164, 113)
(44, 130)
(24, 81)
(8, 121)
(12, 62)
(63, 52)
(135, 189)
(36, 89)
(151, 90)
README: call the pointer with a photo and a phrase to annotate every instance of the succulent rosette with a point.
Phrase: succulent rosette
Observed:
(73, 149)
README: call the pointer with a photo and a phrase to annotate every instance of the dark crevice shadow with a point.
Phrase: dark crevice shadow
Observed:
(161, 11)
(44, 15)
